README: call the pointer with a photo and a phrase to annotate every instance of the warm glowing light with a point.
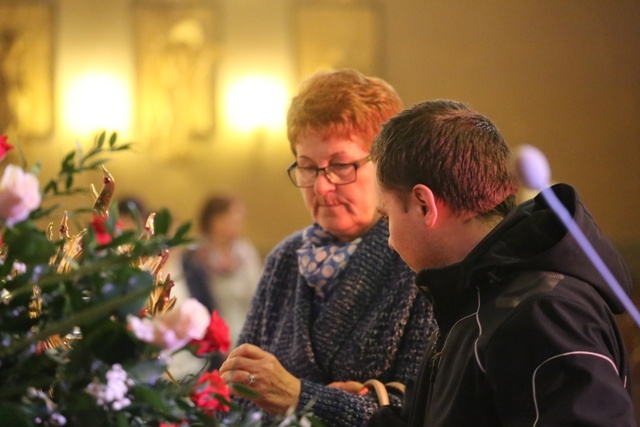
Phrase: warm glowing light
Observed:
(97, 101)
(256, 102)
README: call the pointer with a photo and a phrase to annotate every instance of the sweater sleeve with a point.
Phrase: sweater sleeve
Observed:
(261, 302)
(338, 408)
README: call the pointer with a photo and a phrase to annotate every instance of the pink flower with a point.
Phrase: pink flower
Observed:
(216, 337)
(4, 146)
(174, 329)
(19, 195)
(102, 234)
(205, 395)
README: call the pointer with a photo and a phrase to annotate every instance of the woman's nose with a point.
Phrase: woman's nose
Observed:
(323, 184)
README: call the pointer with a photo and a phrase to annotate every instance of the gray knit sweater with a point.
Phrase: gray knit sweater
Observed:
(375, 325)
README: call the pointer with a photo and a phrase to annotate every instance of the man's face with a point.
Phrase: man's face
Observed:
(406, 225)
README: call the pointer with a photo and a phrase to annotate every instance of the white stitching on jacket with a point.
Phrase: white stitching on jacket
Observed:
(475, 344)
(571, 353)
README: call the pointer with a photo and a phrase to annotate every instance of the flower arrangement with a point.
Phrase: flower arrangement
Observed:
(87, 320)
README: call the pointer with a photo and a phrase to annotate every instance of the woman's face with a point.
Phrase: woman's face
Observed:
(346, 211)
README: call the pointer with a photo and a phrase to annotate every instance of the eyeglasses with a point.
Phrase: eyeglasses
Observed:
(337, 174)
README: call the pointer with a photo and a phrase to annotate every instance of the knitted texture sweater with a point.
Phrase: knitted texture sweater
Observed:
(375, 325)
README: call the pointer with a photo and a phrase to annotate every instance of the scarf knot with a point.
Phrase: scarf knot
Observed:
(322, 258)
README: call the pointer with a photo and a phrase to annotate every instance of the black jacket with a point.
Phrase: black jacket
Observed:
(527, 331)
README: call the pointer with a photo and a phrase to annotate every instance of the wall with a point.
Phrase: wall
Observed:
(564, 76)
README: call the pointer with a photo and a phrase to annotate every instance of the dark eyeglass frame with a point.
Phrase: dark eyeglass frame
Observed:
(356, 165)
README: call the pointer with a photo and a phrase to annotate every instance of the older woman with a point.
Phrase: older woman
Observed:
(334, 304)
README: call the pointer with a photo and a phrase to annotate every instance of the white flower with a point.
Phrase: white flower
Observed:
(19, 195)
(141, 328)
(173, 330)
(114, 392)
(19, 267)
(58, 419)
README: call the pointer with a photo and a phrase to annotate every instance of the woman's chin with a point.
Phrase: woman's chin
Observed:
(333, 226)
(343, 230)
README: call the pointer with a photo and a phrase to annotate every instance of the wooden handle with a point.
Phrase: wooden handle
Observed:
(380, 389)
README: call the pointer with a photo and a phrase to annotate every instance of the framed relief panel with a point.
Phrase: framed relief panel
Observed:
(26, 70)
(331, 34)
(177, 48)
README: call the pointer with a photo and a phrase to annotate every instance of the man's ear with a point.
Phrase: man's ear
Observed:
(424, 199)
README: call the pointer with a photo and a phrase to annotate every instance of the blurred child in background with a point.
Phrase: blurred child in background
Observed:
(222, 268)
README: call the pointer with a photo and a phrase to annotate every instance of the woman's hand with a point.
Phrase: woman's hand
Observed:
(277, 389)
(350, 387)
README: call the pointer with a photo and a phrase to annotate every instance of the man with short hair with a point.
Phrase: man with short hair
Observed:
(527, 329)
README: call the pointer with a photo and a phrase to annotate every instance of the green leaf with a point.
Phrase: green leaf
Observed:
(68, 159)
(51, 186)
(108, 336)
(125, 238)
(96, 164)
(180, 235)
(27, 244)
(162, 222)
(126, 146)
(153, 398)
(122, 420)
(12, 415)
(148, 371)
(81, 410)
(243, 390)
(100, 140)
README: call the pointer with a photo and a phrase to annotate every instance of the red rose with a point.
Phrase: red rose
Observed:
(208, 388)
(102, 234)
(216, 338)
(4, 146)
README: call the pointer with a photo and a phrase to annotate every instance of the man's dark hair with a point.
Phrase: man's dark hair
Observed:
(458, 153)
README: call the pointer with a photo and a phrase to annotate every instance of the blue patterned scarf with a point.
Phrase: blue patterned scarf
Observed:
(322, 258)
